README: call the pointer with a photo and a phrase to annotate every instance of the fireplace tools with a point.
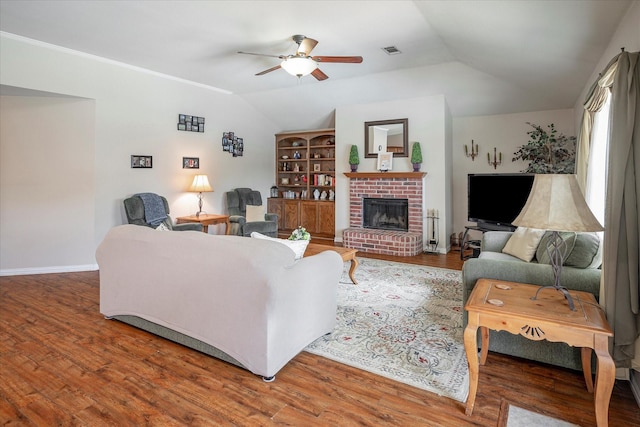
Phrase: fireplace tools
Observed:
(432, 231)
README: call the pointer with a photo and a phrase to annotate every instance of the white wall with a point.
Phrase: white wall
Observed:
(428, 123)
(626, 36)
(47, 183)
(506, 133)
(135, 112)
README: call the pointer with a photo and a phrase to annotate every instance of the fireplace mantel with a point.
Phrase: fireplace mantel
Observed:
(389, 175)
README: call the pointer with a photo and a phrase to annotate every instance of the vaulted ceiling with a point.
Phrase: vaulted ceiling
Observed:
(485, 57)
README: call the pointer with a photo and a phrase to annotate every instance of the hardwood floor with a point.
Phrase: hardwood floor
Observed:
(62, 363)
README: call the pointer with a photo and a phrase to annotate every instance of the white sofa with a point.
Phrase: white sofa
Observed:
(247, 298)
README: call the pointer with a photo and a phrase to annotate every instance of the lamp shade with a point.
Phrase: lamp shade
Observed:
(556, 203)
(299, 66)
(200, 184)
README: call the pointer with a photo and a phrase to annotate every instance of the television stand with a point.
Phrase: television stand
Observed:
(474, 245)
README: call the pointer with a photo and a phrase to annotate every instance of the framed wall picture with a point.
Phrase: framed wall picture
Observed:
(190, 123)
(190, 163)
(385, 161)
(138, 161)
(233, 144)
(316, 167)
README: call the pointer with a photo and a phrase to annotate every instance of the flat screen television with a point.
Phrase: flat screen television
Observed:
(495, 200)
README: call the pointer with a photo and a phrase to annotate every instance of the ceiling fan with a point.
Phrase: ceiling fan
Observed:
(302, 63)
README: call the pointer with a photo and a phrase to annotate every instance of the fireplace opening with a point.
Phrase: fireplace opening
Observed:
(385, 214)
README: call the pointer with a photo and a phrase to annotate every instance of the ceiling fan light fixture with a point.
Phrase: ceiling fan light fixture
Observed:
(299, 66)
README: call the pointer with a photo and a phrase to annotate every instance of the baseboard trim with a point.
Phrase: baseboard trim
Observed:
(634, 380)
(48, 270)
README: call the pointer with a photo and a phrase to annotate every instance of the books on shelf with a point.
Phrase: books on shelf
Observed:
(320, 179)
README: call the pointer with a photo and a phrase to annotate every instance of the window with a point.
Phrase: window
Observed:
(597, 170)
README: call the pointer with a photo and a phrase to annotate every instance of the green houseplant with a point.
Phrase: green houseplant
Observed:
(416, 156)
(354, 160)
(548, 151)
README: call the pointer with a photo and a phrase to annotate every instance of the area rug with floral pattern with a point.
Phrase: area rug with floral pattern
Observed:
(403, 322)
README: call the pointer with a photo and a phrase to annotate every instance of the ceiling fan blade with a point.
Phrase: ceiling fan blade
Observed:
(343, 59)
(306, 46)
(319, 75)
(261, 73)
(262, 54)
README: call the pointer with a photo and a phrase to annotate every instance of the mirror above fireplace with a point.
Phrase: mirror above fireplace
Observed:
(386, 136)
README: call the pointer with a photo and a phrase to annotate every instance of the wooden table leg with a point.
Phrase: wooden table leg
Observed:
(471, 349)
(352, 270)
(205, 229)
(605, 377)
(585, 353)
(228, 229)
(484, 333)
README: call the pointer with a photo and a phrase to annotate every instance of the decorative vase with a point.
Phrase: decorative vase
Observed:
(416, 167)
(354, 168)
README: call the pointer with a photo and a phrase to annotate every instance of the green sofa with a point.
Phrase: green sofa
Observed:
(583, 274)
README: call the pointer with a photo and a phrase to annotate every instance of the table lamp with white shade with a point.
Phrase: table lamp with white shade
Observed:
(556, 204)
(200, 185)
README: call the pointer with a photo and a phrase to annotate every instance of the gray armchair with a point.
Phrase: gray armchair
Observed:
(134, 209)
(237, 201)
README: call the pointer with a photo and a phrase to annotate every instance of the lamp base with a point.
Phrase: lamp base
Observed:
(560, 289)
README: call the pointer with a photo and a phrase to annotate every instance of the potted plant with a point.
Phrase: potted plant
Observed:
(416, 156)
(547, 151)
(354, 160)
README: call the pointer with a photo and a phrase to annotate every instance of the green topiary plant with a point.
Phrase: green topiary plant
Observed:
(416, 156)
(548, 152)
(354, 160)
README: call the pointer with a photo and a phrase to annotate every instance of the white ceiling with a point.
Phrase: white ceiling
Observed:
(485, 57)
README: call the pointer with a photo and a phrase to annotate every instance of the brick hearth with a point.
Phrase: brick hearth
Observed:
(392, 185)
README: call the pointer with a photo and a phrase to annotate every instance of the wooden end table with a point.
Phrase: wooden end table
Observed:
(347, 254)
(206, 220)
(507, 306)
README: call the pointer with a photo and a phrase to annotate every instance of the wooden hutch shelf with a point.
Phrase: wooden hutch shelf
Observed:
(305, 162)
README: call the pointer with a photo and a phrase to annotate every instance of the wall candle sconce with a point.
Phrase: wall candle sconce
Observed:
(497, 159)
(474, 150)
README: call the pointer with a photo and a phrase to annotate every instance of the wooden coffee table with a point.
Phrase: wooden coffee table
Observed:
(347, 254)
(507, 306)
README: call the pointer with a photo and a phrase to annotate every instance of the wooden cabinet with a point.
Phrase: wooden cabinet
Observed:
(305, 162)
(317, 216)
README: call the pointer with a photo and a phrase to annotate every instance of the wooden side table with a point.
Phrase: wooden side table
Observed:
(507, 306)
(206, 220)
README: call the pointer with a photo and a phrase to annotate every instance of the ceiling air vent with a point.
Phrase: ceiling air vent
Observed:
(391, 50)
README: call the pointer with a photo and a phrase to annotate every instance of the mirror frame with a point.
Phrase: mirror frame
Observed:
(405, 137)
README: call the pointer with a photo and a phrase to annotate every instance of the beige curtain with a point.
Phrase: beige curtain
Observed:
(621, 268)
(595, 100)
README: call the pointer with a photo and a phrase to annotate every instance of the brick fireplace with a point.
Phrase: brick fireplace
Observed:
(387, 185)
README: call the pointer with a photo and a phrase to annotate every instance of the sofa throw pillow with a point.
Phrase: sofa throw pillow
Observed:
(297, 246)
(587, 252)
(163, 227)
(523, 243)
(255, 213)
(542, 254)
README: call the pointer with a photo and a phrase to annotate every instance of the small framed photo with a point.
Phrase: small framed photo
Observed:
(181, 118)
(190, 163)
(182, 126)
(138, 161)
(316, 167)
(385, 161)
